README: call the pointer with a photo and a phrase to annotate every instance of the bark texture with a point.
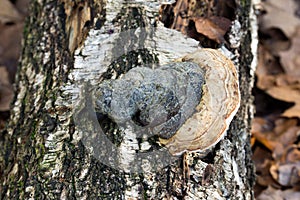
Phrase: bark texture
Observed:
(71, 46)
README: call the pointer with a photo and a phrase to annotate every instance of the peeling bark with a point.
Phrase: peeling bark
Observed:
(44, 155)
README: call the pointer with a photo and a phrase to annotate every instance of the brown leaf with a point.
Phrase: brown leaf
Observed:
(276, 137)
(286, 174)
(292, 154)
(281, 14)
(267, 69)
(294, 111)
(273, 194)
(286, 80)
(263, 160)
(22, 6)
(264, 140)
(10, 42)
(282, 125)
(6, 90)
(274, 40)
(271, 78)
(8, 13)
(288, 94)
(285, 134)
(290, 59)
(213, 27)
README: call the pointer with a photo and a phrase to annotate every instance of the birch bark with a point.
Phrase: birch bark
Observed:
(71, 46)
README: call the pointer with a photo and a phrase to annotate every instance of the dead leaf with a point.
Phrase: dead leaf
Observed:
(290, 59)
(8, 13)
(280, 14)
(286, 174)
(274, 194)
(6, 90)
(280, 139)
(286, 80)
(267, 69)
(264, 140)
(275, 137)
(271, 78)
(22, 6)
(282, 125)
(278, 74)
(292, 154)
(288, 94)
(10, 42)
(274, 40)
(213, 27)
(293, 111)
(263, 161)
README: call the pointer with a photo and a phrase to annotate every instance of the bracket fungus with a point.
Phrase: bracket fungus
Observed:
(219, 103)
(189, 103)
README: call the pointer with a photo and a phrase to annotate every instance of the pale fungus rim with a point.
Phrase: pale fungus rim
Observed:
(217, 108)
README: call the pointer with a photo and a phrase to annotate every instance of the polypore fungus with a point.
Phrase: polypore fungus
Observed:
(219, 104)
(157, 101)
(189, 104)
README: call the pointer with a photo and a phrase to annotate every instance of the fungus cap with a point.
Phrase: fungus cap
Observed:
(219, 103)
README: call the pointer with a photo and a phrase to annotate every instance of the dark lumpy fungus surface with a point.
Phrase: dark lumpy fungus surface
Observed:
(157, 101)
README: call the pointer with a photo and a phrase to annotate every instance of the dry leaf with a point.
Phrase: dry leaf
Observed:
(282, 125)
(292, 154)
(281, 14)
(274, 194)
(278, 74)
(274, 40)
(22, 6)
(286, 80)
(284, 164)
(175, 15)
(266, 141)
(290, 59)
(267, 69)
(10, 42)
(264, 178)
(288, 94)
(263, 161)
(8, 13)
(292, 112)
(286, 174)
(277, 136)
(281, 86)
(6, 90)
(213, 27)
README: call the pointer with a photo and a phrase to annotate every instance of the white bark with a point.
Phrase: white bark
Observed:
(48, 153)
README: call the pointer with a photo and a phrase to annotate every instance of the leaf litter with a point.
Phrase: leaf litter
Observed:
(276, 126)
(276, 131)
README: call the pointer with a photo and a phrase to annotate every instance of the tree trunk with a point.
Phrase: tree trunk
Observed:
(52, 148)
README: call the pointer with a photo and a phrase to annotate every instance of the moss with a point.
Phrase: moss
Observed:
(145, 195)
(20, 184)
